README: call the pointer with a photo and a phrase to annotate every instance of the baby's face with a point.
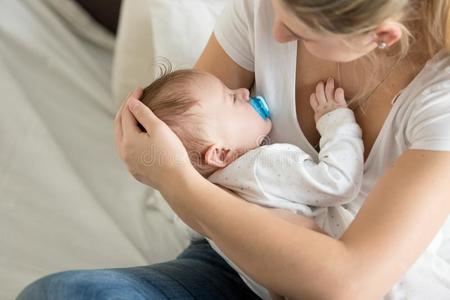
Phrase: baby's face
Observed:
(230, 119)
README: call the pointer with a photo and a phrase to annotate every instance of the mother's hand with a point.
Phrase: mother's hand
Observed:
(155, 157)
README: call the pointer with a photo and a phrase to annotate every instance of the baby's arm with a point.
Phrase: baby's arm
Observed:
(341, 145)
(286, 172)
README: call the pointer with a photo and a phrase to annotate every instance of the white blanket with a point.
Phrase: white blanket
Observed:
(66, 200)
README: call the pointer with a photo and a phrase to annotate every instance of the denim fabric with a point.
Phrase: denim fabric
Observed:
(197, 273)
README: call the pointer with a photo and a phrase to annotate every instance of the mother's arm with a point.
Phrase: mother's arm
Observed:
(398, 220)
(216, 61)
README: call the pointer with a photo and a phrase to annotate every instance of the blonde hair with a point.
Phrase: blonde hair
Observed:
(427, 21)
(171, 99)
(360, 16)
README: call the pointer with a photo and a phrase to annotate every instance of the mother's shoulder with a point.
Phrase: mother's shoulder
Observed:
(437, 69)
(434, 77)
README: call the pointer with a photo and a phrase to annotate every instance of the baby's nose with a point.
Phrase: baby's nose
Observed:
(244, 94)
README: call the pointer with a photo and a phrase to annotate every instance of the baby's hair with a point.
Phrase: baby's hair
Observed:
(171, 99)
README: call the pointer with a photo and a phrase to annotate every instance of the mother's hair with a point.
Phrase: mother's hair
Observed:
(424, 20)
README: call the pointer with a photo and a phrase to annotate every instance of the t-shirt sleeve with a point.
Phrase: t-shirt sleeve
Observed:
(429, 125)
(234, 31)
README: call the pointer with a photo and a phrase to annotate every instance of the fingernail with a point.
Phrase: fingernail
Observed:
(133, 104)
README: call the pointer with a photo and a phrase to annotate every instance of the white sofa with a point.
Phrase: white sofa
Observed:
(66, 200)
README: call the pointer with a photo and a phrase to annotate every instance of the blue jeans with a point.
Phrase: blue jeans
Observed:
(197, 273)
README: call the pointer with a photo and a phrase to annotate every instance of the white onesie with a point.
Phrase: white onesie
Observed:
(284, 176)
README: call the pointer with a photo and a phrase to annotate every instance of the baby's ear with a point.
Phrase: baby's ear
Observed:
(219, 157)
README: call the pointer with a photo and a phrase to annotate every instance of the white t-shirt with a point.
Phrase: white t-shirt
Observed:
(419, 119)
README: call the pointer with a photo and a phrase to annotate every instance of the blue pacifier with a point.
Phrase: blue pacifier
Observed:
(260, 105)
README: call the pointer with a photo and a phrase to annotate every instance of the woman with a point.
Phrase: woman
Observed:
(400, 89)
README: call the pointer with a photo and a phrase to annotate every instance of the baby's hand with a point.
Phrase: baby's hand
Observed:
(326, 99)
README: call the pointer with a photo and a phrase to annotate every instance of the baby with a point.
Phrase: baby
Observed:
(223, 131)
